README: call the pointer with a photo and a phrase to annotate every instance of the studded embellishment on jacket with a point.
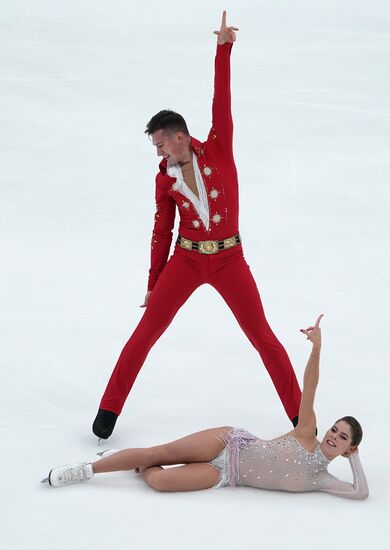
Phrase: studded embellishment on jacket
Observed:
(215, 161)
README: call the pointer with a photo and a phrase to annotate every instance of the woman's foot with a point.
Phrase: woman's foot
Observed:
(71, 473)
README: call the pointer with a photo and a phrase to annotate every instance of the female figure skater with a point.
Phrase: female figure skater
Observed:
(225, 456)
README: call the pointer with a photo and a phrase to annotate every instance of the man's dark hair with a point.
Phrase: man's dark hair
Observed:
(167, 120)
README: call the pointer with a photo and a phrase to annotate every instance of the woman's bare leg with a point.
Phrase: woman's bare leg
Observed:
(198, 447)
(190, 477)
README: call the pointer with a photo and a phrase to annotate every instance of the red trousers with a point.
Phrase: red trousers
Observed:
(230, 275)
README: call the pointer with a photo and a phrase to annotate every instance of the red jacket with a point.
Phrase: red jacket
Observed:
(216, 163)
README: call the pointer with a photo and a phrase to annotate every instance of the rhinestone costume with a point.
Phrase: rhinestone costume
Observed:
(283, 464)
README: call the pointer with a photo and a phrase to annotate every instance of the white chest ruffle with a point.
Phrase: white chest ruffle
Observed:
(200, 204)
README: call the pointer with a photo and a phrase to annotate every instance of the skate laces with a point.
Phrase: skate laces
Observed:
(74, 473)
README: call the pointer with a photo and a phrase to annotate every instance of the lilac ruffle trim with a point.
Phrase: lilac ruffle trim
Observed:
(235, 440)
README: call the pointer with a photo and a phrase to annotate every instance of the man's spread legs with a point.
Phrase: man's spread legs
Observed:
(234, 281)
(176, 283)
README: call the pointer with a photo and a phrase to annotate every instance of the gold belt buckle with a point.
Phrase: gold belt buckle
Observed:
(186, 243)
(208, 247)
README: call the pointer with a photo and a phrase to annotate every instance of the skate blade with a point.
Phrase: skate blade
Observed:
(45, 480)
(102, 453)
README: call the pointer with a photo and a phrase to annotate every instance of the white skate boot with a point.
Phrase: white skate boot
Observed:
(71, 473)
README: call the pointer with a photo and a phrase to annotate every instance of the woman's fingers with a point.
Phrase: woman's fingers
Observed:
(308, 332)
(319, 319)
(308, 329)
(313, 333)
(317, 323)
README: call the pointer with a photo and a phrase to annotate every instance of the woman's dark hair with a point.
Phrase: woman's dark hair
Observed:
(356, 429)
(167, 120)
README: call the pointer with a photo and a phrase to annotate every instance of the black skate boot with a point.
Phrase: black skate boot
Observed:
(295, 421)
(104, 423)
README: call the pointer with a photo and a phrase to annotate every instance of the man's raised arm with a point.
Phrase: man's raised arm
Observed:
(221, 132)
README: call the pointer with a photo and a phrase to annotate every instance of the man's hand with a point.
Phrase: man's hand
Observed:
(149, 292)
(226, 34)
(314, 333)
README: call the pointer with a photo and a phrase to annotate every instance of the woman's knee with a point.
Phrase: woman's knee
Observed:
(158, 481)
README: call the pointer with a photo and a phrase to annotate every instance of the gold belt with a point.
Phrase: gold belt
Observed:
(208, 247)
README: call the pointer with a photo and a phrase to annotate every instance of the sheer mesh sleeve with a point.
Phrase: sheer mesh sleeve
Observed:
(357, 490)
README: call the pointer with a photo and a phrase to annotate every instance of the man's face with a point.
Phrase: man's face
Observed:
(171, 146)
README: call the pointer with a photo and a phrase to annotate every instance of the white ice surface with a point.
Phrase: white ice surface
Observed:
(79, 80)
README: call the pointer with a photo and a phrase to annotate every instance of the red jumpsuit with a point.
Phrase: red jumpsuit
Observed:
(175, 280)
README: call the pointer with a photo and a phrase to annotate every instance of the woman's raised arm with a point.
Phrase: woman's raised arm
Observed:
(306, 426)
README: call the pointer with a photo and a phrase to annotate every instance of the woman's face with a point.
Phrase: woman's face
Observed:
(338, 441)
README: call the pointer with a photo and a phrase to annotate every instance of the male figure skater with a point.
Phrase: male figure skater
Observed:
(200, 179)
